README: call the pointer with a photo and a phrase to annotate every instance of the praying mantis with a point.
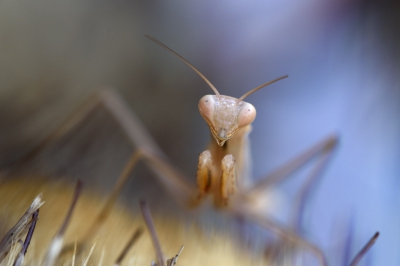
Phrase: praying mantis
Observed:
(222, 169)
(223, 166)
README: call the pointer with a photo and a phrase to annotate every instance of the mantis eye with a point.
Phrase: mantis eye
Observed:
(207, 106)
(246, 115)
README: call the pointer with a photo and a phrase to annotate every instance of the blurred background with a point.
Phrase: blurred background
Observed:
(342, 58)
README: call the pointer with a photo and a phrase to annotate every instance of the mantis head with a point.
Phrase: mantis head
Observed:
(223, 114)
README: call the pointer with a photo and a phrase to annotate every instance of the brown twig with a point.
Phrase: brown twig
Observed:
(57, 242)
(364, 250)
(21, 255)
(19, 228)
(174, 260)
(150, 226)
(128, 246)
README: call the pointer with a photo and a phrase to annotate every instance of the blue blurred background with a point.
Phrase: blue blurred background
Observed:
(342, 58)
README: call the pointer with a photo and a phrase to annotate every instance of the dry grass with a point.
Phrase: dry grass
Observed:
(215, 248)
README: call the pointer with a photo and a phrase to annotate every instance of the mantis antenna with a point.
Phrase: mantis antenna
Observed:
(185, 61)
(205, 79)
(260, 87)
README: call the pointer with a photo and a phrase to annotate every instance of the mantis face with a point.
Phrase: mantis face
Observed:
(225, 115)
